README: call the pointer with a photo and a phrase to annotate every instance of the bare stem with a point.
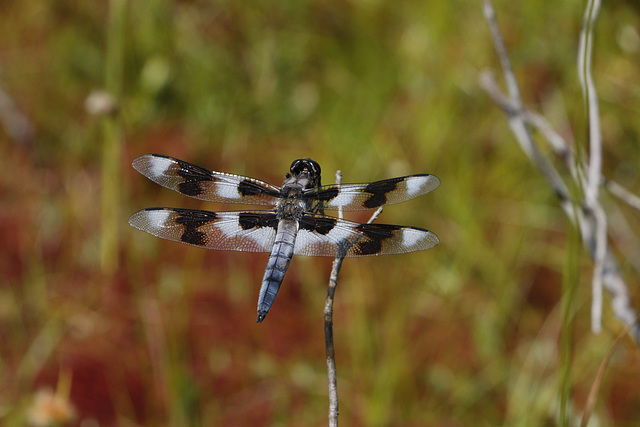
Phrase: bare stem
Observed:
(328, 322)
(328, 331)
(594, 168)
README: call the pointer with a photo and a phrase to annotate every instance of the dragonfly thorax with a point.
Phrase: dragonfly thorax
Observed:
(290, 208)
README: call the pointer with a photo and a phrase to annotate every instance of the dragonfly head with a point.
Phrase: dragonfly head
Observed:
(306, 168)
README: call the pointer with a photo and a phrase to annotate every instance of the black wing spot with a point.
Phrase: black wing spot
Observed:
(250, 188)
(192, 221)
(321, 225)
(375, 234)
(193, 175)
(379, 191)
(316, 200)
(248, 220)
(193, 237)
(190, 188)
(326, 194)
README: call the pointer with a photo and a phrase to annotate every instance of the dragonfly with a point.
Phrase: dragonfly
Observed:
(294, 224)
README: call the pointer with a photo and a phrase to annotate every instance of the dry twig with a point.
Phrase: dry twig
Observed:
(328, 319)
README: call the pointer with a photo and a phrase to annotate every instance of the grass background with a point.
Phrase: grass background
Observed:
(157, 333)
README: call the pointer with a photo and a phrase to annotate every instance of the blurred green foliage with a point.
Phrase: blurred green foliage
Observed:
(464, 334)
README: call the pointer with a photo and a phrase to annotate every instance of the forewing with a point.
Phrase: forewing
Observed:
(204, 184)
(248, 231)
(327, 236)
(358, 197)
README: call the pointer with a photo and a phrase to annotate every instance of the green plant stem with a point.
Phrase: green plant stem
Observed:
(569, 287)
(112, 133)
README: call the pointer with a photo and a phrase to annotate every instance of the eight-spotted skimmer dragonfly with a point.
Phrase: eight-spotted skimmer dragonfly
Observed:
(296, 225)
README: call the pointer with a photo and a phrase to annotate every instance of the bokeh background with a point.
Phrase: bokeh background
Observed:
(101, 324)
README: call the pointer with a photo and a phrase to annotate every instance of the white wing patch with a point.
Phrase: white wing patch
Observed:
(228, 225)
(313, 244)
(412, 238)
(149, 219)
(416, 184)
(343, 199)
(339, 234)
(262, 237)
(152, 166)
(229, 191)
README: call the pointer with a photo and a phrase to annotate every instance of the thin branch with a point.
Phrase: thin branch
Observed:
(594, 170)
(585, 53)
(520, 129)
(328, 319)
(560, 146)
(328, 330)
(622, 193)
(505, 62)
